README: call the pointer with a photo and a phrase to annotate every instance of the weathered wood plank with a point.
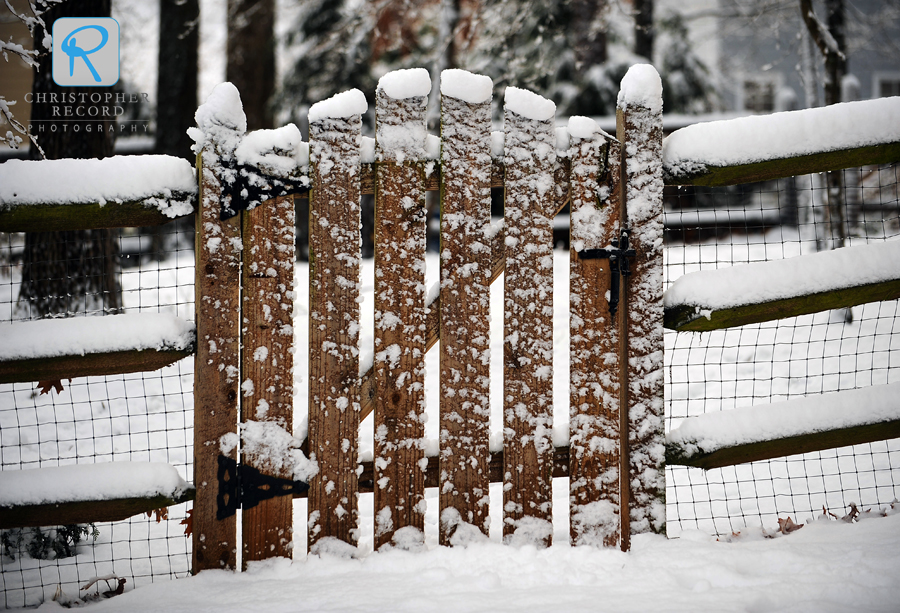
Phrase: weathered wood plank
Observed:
(334, 255)
(216, 364)
(465, 314)
(530, 154)
(88, 365)
(66, 513)
(267, 360)
(639, 127)
(781, 447)
(594, 344)
(58, 217)
(399, 366)
(693, 318)
(785, 167)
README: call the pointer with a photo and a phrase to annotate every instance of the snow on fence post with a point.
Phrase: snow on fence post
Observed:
(221, 124)
(400, 329)
(267, 359)
(639, 130)
(335, 127)
(530, 156)
(465, 303)
(594, 349)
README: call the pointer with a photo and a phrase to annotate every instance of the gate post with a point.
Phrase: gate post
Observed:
(643, 451)
(221, 123)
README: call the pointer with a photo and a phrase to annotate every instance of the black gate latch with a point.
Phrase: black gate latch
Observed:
(242, 486)
(618, 265)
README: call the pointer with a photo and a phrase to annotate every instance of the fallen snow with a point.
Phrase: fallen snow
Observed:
(166, 182)
(220, 120)
(818, 413)
(339, 106)
(466, 86)
(826, 567)
(104, 481)
(280, 152)
(528, 104)
(746, 140)
(780, 279)
(85, 335)
(642, 87)
(406, 83)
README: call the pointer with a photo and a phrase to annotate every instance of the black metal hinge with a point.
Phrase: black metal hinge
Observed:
(242, 486)
(618, 256)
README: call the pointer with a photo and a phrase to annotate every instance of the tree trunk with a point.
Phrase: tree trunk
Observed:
(643, 28)
(67, 272)
(251, 58)
(176, 98)
(590, 33)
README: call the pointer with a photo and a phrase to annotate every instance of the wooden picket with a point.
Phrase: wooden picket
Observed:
(529, 154)
(267, 356)
(594, 348)
(216, 379)
(639, 130)
(465, 314)
(400, 217)
(334, 239)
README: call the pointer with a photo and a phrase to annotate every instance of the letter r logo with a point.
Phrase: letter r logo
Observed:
(86, 51)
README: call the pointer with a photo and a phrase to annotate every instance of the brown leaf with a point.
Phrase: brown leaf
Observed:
(786, 526)
(46, 386)
(853, 514)
(117, 591)
(188, 523)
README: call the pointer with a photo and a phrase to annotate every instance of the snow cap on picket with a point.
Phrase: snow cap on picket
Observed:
(339, 106)
(582, 127)
(466, 86)
(641, 86)
(405, 83)
(220, 119)
(279, 152)
(528, 104)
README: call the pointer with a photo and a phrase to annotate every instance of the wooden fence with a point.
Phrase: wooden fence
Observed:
(244, 348)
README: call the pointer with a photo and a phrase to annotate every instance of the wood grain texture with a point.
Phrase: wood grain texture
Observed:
(594, 500)
(465, 316)
(399, 366)
(530, 152)
(334, 252)
(267, 360)
(59, 217)
(640, 134)
(216, 365)
(88, 365)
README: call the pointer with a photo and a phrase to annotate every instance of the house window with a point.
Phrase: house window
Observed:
(888, 87)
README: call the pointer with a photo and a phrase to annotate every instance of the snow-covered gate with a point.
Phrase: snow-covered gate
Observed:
(616, 276)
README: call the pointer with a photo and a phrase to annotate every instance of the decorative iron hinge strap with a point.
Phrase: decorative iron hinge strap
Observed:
(618, 256)
(242, 486)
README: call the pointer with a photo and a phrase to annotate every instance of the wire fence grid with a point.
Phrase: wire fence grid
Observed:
(149, 416)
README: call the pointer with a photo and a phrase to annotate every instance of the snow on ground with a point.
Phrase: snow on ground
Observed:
(826, 566)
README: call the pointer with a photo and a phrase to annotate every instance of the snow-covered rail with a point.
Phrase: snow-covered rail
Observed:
(765, 147)
(84, 493)
(115, 192)
(53, 349)
(763, 432)
(766, 291)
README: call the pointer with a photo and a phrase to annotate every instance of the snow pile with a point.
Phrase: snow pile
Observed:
(822, 413)
(528, 104)
(641, 87)
(163, 181)
(272, 450)
(466, 86)
(220, 120)
(49, 338)
(105, 481)
(339, 106)
(279, 153)
(747, 140)
(400, 133)
(803, 275)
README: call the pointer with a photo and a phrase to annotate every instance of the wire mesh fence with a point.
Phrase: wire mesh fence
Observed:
(133, 417)
(709, 228)
(149, 416)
